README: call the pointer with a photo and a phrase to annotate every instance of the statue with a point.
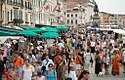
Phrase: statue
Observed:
(96, 9)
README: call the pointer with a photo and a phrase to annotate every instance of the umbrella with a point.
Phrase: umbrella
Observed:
(27, 33)
(61, 27)
(49, 35)
(49, 29)
(37, 30)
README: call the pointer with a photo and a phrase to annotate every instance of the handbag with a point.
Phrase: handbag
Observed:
(44, 66)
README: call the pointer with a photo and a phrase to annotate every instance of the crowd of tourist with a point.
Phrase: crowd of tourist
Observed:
(70, 57)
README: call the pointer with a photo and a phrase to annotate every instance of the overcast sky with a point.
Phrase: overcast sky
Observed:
(112, 6)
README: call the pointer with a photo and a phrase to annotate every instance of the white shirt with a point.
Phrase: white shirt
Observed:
(107, 59)
(41, 78)
(44, 63)
(28, 72)
(103, 44)
(87, 57)
(92, 44)
(61, 45)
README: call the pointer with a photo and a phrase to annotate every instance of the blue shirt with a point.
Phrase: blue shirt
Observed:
(50, 76)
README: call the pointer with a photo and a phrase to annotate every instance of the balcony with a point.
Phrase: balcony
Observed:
(15, 4)
(28, 7)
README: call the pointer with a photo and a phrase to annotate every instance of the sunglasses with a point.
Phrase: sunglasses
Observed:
(50, 66)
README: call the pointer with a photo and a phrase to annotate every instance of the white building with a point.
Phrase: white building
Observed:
(80, 15)
(16, 9)
(33, 11)
(49, 13)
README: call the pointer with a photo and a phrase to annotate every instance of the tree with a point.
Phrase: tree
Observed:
(1, 4)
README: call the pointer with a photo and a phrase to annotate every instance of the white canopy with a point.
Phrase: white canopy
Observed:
(119, 31)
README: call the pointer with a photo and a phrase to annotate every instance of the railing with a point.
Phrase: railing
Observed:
(15, 3)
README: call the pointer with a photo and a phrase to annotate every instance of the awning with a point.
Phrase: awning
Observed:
(27, 33)
(8, 29)
(26, 27)
(5, 33)
(61, 27)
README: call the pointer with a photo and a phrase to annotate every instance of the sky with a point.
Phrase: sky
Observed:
(112, 6)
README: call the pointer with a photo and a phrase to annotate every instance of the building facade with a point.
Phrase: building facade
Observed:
(33, 11)
(17, 9)
(111, 19)
(80, 15)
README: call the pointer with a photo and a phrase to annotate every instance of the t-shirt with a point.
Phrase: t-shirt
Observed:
(17, 62)
(92, 44)
(41, 78)
(87, 57)
(28, 72)
(50, 76)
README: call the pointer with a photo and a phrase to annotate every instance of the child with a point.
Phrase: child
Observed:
(37, 68)
(106, 63)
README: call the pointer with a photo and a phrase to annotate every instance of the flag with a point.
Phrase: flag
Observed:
(58, 9)
(47, 7)
(55, 8)
(44, 2)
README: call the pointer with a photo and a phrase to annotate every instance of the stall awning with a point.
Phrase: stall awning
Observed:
(5, 33)
(26, 27)
(8, 29)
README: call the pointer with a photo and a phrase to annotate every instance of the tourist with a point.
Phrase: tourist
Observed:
(17, 63)
(50, 73)
(27, 70)
(115, 61)
(84, 75)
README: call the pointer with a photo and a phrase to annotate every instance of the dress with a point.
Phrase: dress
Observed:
(97, 66)
(115, 64)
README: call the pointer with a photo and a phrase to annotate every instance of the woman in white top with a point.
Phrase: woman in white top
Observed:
(87, 58)
(40, 76)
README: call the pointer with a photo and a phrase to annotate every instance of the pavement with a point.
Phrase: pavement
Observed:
(107, 77)
(93, 76)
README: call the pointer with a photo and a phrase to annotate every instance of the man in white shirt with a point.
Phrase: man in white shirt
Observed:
(92, 46)
(46, 62)
(27, 71)
(61, 45)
